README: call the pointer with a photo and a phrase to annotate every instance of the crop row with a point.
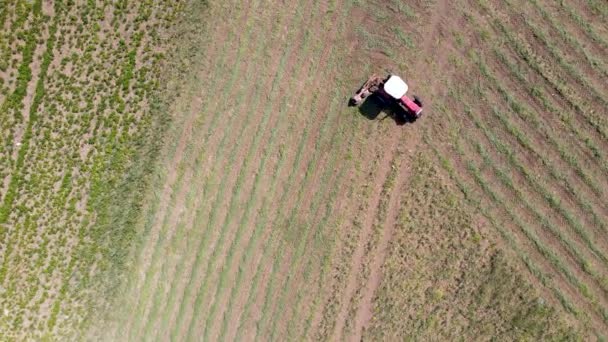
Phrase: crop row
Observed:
(584, 24)
(581, 231)
(50, 216)
(594, 61)
(528, 145)
(150, 214)
(234, 194)
(236, 189)
(596, 152)
(146, 294)
(244, 221)
(557, 55)
(295, 260)
(472, 197)
(524, 50)
(529, 115)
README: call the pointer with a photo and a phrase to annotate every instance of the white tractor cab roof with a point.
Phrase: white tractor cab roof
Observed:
(395, 87)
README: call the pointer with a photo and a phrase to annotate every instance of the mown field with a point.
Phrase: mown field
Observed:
(224, 190)
(282, 214)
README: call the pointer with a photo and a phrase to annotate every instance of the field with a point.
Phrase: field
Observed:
(190, 171)
(76, 102)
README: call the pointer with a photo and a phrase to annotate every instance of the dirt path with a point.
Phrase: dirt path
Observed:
(366, 306)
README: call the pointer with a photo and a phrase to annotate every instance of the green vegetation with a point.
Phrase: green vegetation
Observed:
(68, 140)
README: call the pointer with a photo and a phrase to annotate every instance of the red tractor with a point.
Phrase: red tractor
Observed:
(390, 90)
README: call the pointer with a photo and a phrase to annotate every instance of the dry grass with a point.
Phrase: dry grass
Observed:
(444, 279)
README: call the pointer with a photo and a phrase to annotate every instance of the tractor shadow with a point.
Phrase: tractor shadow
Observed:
(374, 108)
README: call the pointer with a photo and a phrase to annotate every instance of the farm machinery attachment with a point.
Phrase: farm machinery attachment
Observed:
(389, 90)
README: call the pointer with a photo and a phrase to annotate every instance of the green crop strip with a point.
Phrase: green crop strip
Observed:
(117, 155)
(279, 257)
(529, 115)
(326, 261)
(215, 206)
(582, 22)
(524, 112)
(303, 241)
(566, 118)
(14, 102)
(3, 10)
(558, 56)
(596, 63)
(530, 235)
(598, 8)
(267, 248)
(88, 132)
(536, 63)
(318, 231)
(507, 181)
(316, 202)
(11, 193)
(265, 310)
(146, 296)
(502, 148)
(150, 214)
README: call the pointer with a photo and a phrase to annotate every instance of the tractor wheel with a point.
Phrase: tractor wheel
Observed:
(417, 101)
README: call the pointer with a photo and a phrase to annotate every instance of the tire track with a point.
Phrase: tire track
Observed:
(347, 210)
(365, 309)
(439, 12)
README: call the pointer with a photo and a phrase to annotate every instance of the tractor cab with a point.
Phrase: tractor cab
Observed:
(396, 88)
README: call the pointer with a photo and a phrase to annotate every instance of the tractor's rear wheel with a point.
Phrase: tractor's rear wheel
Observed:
(418, 101)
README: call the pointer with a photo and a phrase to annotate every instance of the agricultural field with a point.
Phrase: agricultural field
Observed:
(190, 170)
(76, 107)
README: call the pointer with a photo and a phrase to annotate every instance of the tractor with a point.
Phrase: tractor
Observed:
(390, 91)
